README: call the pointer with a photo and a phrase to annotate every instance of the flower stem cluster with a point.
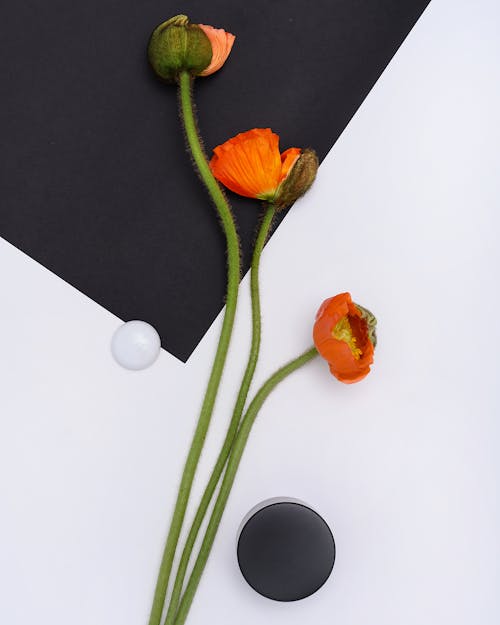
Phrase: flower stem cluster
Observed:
(249, 164)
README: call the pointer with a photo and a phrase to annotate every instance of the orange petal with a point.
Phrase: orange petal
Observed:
(249, 163)
(288, 160)
(349, 378)
(221, 42)
(329, 314)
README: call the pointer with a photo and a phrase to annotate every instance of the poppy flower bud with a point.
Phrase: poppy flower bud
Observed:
(298, 180)
(176, 46)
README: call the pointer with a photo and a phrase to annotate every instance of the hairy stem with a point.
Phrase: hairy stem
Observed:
(233, 278)
(263, 233)
(230, 474)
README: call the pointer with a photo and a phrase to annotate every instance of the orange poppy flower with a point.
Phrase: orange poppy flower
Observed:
(221, 42)
(250, 163)
(344, 334)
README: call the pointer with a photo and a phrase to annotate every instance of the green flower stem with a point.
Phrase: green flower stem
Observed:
(234, 460)
(233, 278)
(235, 419)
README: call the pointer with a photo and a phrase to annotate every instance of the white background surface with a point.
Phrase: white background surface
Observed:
(404, 466)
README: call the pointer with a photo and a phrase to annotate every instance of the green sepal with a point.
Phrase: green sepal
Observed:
(299, 179)
(371, 322)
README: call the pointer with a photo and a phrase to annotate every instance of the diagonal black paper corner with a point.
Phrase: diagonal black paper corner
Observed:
(96, 182)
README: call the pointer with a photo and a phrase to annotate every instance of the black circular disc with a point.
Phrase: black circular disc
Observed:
(286, 551)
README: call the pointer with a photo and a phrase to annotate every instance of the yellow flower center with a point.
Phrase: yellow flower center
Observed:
(343, 332)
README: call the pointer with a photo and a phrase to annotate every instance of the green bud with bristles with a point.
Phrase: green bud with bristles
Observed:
(299, 179)
(176, 46)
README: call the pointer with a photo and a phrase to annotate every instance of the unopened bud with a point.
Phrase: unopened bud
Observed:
(176, 46)
(299, 179)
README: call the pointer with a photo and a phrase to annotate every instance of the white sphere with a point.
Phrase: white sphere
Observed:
(135, 345)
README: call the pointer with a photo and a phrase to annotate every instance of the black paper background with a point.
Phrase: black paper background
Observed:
(95, 181)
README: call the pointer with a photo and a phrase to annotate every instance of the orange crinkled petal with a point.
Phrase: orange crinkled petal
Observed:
(249, 163)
